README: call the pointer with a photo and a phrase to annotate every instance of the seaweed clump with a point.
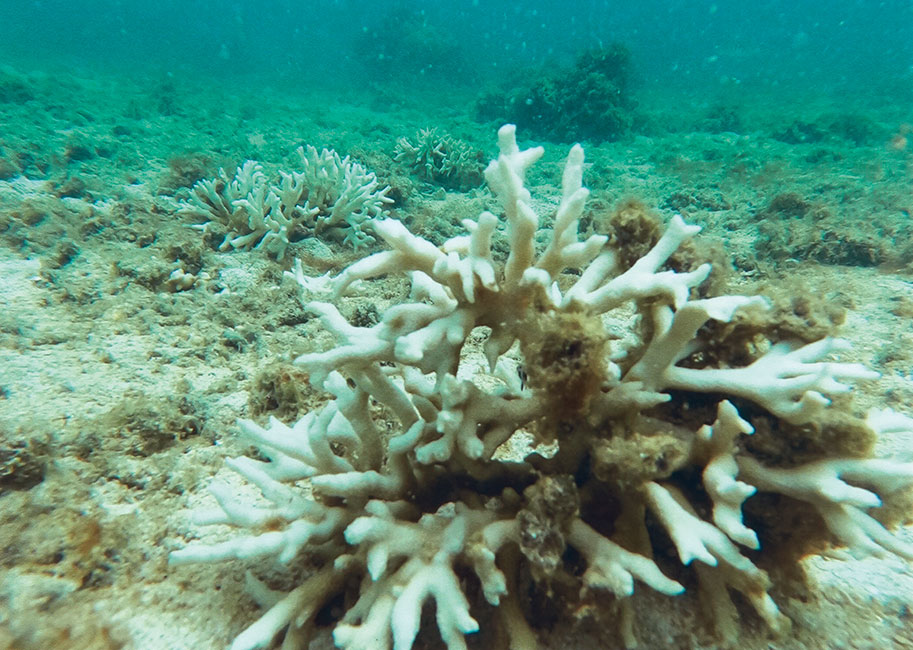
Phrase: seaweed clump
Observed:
(590, 100)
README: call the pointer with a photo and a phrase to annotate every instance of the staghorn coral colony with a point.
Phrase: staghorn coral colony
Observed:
(568, 425)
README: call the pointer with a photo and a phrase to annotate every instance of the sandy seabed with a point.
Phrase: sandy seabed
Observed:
(119, 391)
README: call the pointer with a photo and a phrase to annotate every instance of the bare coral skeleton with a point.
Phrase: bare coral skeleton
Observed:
(410, 502)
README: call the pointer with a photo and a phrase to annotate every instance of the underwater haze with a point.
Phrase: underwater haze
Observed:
(831, 44)
(181, 179)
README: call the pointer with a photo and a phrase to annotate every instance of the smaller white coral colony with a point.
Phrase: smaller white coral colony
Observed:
(330, 195)
(659, 443)
(440, 158)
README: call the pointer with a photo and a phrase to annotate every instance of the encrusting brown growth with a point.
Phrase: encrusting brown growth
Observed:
(679, 440)
(564, 360)
(280, 389)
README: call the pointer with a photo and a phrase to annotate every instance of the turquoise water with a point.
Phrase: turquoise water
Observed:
(861, 45)
(139, 322)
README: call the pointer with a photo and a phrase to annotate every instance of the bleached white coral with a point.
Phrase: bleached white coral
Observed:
(832, 487)
(440, 158)
(219, 198)
(329, 195)
(409, 498)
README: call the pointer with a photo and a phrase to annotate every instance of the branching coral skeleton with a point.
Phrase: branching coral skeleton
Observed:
(412, 508)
